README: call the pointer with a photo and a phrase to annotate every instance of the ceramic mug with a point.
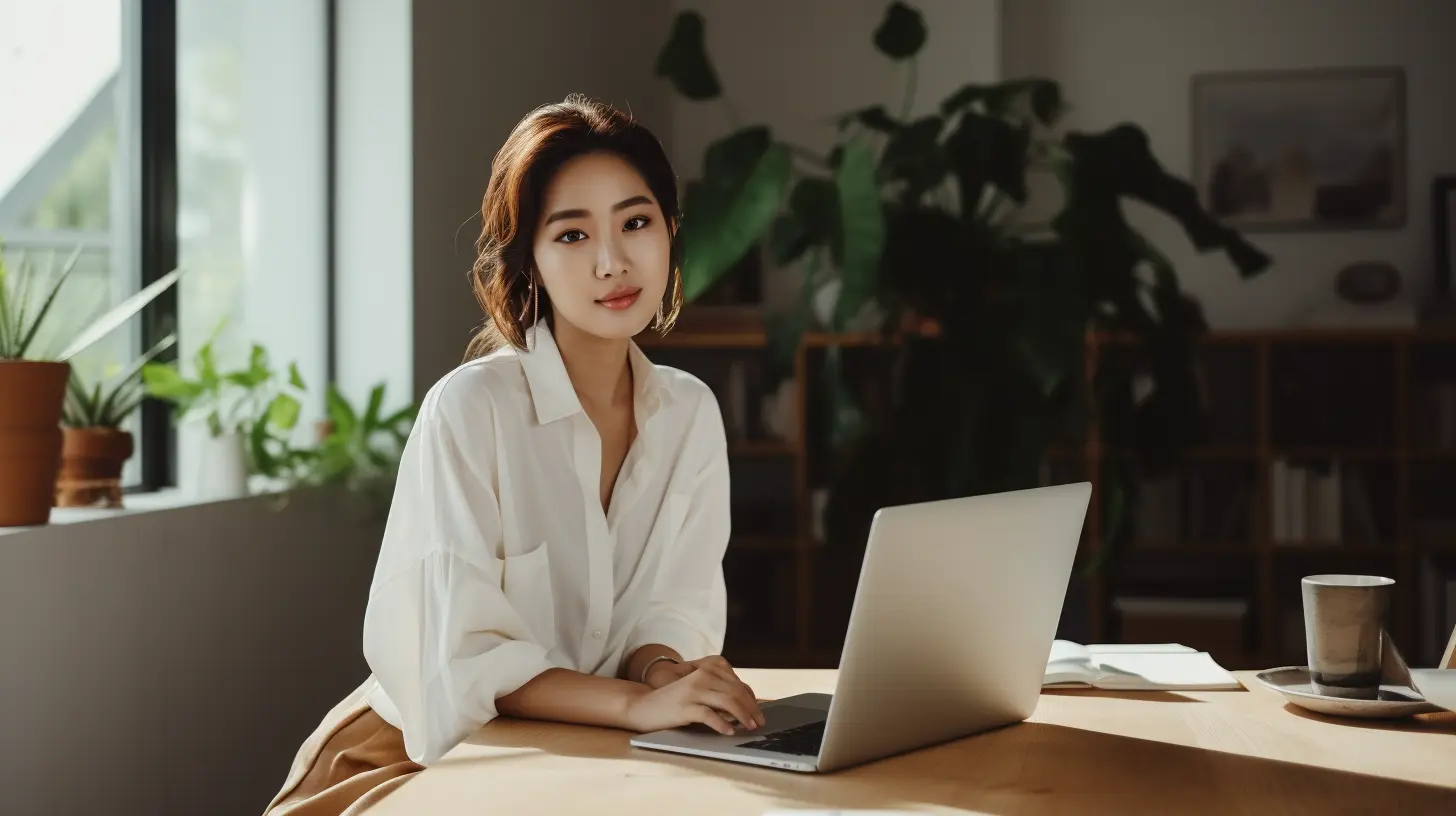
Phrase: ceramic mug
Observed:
(1344, 632)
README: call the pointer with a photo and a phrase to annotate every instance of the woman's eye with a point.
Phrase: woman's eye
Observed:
(637, 222)
(571, 236)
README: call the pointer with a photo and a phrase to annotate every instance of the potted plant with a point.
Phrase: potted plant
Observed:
(357, 450)
(922, 226)
(34, 380)
(216, 411)
(94, 446)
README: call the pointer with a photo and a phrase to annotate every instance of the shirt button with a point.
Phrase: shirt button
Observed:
(597, 634)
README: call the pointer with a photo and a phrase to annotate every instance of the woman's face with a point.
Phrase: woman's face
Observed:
(602, 247)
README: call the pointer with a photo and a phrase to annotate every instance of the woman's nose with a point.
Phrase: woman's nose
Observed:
(610, 259)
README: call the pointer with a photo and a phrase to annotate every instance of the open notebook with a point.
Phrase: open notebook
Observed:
(1134, 667)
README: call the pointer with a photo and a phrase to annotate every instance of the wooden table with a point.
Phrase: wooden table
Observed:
(1081, 752)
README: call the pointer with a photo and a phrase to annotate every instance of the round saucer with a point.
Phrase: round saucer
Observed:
(1294, 683)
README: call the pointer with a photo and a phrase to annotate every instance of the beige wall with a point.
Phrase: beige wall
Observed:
(796, 65)
(478, 68)
(172, 662)
(1133, 59)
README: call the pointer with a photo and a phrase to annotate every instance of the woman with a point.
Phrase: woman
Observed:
(554, 549)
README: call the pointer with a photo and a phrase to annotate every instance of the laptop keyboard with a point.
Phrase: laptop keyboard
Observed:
(803, 740)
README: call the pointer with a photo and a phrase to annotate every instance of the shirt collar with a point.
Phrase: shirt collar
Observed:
(551, 389)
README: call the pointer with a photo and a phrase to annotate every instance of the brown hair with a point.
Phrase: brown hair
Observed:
(540, 143)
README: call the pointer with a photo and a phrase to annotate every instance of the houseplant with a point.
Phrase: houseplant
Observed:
(926, 226)
(95, 447)
(357, 450)
(215, 412)
(33, 380)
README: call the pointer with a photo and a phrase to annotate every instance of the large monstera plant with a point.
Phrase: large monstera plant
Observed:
(928, 220)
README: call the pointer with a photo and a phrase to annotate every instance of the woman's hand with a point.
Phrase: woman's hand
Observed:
(664, 672)
(700, 692)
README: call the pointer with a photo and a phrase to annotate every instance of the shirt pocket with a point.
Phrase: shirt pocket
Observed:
(526, 582)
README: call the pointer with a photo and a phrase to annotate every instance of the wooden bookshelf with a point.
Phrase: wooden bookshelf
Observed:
(801, 587)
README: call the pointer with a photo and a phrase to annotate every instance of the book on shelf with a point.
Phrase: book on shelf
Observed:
(1310, 504)
(1134, 667)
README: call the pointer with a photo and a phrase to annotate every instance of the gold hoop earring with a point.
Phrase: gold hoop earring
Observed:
(535, 302)
(660, 320)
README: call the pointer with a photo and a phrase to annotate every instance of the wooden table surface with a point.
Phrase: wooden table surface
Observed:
(1082, 751)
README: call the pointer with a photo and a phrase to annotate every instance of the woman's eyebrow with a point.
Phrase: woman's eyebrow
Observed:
(562, 215)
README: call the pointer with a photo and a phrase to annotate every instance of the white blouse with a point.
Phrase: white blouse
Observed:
(498, 563)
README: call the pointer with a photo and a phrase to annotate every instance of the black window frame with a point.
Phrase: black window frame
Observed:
(157, 200)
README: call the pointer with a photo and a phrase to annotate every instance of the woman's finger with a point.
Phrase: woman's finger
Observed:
(737, 687)
(724, 701)
(711, 718)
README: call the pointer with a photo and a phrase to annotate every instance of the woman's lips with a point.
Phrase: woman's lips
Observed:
(618, 301)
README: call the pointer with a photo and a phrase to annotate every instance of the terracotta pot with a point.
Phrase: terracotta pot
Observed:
(31, 394)
(91, 462)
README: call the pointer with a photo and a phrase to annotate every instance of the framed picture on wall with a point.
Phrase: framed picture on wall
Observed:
(1443, 211)
(1302, 150)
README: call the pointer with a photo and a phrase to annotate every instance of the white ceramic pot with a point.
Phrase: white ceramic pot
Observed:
(211, 467)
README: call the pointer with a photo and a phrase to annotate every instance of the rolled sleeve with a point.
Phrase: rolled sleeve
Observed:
(439, 634)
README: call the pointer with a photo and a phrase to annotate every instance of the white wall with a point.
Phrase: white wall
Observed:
(172, 662)
(795, 66)
(477, 69)
(1131, 60)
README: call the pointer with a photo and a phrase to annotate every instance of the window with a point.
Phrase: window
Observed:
(251, 181)
(65, 66)
(161, 133)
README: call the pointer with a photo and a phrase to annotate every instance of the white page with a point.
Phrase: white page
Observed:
(1069, 663)
(1163, 670)
(1436, 685)
(1139, 648)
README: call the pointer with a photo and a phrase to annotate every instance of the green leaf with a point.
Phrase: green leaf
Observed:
(371, 411)
(724, 224)
(967, 96)
(874, 117)
(984, 149)
(294, 378)
(258, 364)
(340, 413)
(164, 381)
(1119, 162)
(901, 34)
(283, 412)
(787, 239)
(729, 161)
(684, 62)
(119, 314)
(914, 155)
(785, 331)
(263, 460)
(815, 205)
(242, 379)
(863, 230)
(207, 367)
(27, 334)
(1046, 100)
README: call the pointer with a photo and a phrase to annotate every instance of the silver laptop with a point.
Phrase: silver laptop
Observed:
(953, 620)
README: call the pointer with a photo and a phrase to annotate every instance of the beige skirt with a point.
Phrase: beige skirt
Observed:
(350, 762)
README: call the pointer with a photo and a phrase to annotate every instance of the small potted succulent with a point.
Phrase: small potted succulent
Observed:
(95, 447)
(33, 379)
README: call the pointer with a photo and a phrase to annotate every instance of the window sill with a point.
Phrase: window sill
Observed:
(135, 504)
